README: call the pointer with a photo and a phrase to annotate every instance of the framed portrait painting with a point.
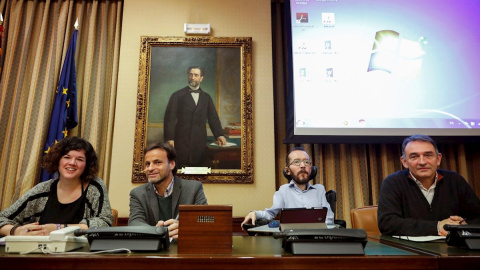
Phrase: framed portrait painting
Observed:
(195, 93)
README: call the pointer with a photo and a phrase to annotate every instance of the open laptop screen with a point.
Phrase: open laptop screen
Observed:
(303, 215)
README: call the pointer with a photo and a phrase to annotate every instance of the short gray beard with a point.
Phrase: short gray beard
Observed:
(156, 182)
(194, 86)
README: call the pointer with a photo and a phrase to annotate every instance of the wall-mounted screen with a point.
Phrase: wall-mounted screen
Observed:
(383, 68)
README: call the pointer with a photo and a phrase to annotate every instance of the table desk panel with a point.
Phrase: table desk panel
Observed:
(449, 257)
(261, 252)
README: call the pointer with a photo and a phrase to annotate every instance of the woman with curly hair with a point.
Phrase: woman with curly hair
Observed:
(74, 197)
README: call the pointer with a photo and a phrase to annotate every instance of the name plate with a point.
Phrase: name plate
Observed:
(196, 170)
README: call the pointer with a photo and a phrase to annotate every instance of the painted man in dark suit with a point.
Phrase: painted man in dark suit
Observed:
(156, 202)
(187, 113)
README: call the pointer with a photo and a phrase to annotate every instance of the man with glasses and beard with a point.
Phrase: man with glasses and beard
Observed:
(299, 193)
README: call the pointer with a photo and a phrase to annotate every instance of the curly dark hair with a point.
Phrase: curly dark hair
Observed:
(58, 150)
(171, 153)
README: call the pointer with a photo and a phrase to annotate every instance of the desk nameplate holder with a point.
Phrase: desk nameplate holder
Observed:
(205, 229)
(325, 241)
(134, 238)
(326, 248)
(467, 235)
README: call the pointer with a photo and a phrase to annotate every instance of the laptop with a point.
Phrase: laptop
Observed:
(303, 218)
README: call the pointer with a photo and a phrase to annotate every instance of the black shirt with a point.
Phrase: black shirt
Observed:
(59, 213)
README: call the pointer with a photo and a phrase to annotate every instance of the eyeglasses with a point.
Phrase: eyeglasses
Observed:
(297, 162)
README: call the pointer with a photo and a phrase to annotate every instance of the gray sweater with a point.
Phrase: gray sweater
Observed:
(31, 205)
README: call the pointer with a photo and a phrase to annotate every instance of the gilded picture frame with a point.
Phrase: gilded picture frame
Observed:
(226, 69)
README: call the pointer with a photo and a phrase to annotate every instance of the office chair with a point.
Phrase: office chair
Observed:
(365, 218)
(331, 196)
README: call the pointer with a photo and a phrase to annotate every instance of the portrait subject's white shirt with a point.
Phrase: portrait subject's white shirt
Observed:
(195, 95)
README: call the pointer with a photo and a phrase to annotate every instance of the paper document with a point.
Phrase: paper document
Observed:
(266, 229)
(421, 238)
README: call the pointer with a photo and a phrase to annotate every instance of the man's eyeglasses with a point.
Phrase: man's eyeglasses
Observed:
(297, 162)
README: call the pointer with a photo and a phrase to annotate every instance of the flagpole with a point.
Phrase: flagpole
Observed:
(1, 40)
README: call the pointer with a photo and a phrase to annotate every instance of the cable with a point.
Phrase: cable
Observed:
(45, 250)
(30, 251)
(117, 250)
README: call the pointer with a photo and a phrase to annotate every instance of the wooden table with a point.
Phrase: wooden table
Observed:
(261, 252)
(449, 257)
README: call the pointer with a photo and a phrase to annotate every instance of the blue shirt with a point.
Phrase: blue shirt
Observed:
(291, 196)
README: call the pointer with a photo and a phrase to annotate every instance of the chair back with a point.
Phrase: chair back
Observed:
(365, 218)
(115, 217)
(331, 197)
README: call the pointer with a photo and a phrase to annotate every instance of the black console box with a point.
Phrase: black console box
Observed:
(134, 238)
(463, 236)
(325, 241)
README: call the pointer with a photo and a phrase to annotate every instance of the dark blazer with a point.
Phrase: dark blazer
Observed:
(144, 208)
(185, 123)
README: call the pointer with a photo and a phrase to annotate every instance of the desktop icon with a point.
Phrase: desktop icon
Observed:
(328, 45)
(303, 72)
(328, 19)
(329, 72)
(302, 45)
(302, 18)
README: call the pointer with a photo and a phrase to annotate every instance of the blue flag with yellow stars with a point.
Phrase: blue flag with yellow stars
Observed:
(64, 115)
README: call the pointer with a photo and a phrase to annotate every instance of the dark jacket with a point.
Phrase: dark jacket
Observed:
(144, 208)
(185, 123)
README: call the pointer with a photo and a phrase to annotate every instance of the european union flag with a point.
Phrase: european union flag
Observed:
(64, 115)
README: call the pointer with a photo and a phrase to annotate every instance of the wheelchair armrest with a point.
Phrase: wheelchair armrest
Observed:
(341, 223)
